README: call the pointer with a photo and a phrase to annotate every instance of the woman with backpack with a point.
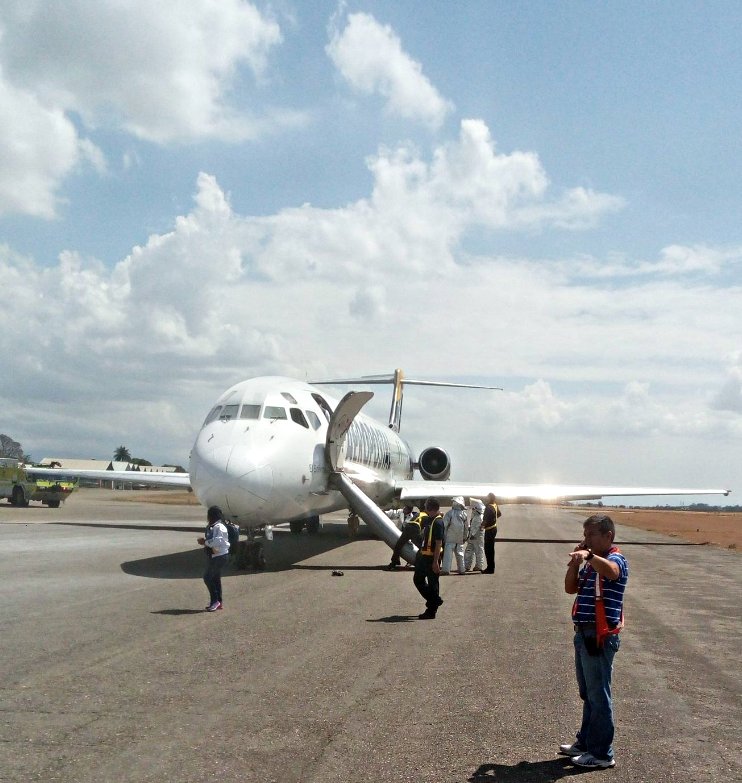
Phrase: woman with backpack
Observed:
(216, 542)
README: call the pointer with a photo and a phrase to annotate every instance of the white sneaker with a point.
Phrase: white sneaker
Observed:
(589, 761)
(571, 750)
(213, 607)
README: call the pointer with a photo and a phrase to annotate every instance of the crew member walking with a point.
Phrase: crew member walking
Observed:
(410, 532)
(427, 564)
(489, 525)
(216, 542)
(597, 574)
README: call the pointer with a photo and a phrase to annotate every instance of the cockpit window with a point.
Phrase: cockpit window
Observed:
(229, 412)
(274, 412)
(325, 408)
(213, 414)
(313, 419)
(298, 417)
(250, 412)
(289, 397)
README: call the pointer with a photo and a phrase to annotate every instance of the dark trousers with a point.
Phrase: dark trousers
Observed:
(489, 548)
(213, 576)
(426, 581)
(410, 532)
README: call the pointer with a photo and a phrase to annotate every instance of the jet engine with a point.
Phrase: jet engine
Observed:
(434, 464)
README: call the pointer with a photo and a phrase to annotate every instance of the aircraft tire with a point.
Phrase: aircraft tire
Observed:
(53, 503)
(19, 498)
(313, 525)
(257, 559)
(296, 525)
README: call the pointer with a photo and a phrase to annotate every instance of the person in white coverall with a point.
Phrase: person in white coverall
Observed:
(456, 530)
(476, 535)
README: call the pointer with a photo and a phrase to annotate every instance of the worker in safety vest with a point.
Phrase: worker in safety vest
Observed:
(411, 531)
(428, 562)
(489, 525)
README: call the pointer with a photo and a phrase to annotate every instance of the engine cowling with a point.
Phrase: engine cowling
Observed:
(434, 464)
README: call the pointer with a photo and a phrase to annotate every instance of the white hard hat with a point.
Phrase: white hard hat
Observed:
(476, 503)
(458, 500)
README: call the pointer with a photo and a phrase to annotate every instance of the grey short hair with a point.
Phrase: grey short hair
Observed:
(601, 521)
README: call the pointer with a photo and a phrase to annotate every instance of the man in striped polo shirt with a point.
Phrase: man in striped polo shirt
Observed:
(597, 574)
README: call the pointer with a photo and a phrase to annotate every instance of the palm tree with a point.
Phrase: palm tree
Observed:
(121, 454)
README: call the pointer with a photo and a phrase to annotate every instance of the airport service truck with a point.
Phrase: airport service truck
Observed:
(19, 487)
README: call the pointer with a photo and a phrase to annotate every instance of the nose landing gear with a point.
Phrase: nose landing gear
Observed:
(250, 554)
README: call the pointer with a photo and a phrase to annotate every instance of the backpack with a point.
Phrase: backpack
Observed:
(233, 533)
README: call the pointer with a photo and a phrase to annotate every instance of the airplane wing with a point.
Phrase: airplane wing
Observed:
(533, 493)
(138, 477)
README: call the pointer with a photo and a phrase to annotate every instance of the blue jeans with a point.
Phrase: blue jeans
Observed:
(594, 681)
(213, 576)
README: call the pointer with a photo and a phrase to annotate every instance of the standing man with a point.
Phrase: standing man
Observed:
(410, 532)
(596, 574)
(216, 542)
(428, 562)
(455, 531)
(489, 525)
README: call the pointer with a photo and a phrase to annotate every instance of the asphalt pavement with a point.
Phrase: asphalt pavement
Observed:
(112, 671)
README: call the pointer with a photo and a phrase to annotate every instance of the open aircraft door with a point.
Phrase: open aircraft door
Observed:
(347, 409)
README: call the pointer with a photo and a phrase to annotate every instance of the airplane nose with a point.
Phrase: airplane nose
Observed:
(257, 479)
(229, 469)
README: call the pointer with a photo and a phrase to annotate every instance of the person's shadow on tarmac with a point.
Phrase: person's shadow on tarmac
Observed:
(526, 772)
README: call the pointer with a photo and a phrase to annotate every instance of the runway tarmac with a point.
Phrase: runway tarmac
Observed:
(111, 671)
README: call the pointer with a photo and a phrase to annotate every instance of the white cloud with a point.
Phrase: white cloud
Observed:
(378, 284)
(160, 70)
(38, 148)
(371, 59)
(729, 396)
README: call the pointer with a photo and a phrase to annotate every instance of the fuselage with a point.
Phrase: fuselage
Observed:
(260, 454)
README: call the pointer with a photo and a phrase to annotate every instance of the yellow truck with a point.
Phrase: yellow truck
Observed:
(19, 486)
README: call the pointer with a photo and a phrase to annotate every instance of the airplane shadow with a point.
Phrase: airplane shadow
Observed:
(526, 772)
(284, 553)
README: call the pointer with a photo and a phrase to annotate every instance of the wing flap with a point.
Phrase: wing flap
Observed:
(535, 493)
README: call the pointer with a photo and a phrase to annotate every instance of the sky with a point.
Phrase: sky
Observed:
(540, 196)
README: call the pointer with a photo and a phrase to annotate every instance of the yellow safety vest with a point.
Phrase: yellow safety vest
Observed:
(428, 546)
(493, 506)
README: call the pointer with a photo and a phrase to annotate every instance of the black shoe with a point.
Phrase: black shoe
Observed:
(439, 601)
(487, 571)
(426, 615)
(392, 566)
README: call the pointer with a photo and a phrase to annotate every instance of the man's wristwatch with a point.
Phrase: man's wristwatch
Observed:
(590, 555)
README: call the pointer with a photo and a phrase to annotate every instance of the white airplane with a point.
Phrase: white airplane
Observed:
(275, 450)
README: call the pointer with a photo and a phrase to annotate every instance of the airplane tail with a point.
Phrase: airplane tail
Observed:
(398, 380)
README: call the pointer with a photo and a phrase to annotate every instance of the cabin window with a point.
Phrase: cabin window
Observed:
(274, 412)
(250, 412)
(289, 397)
(213, 414)
(298, 417)
(313, 419)
(229, 412)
